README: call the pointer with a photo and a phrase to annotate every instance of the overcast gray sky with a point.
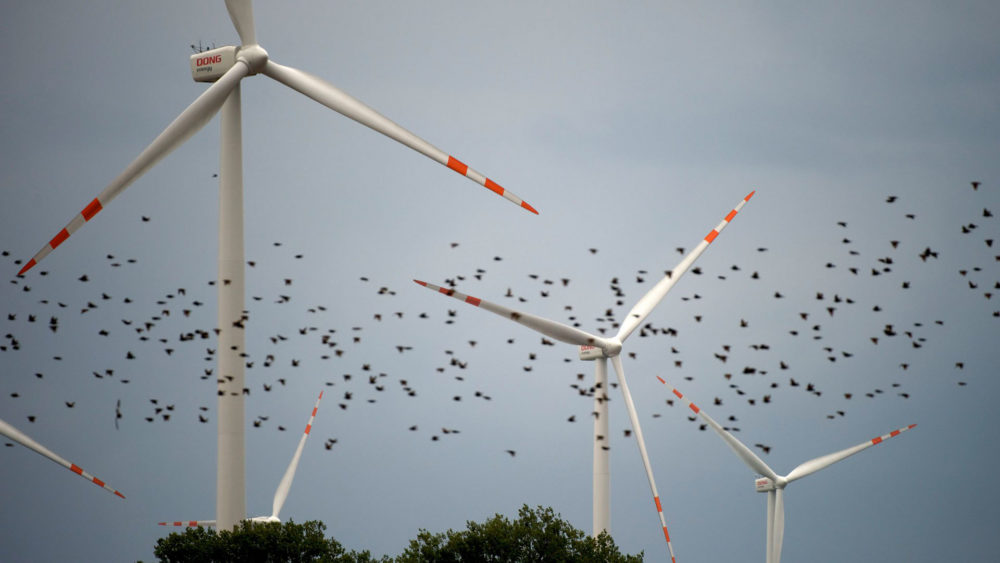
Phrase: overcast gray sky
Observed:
(633, 128)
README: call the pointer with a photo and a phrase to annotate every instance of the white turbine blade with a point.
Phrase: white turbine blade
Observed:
(645, 306)
(748, 457)
(616, 361)
(343, 103)
(553, 329)
(818, 463)
(779, 525)
(189, 523)
(286, 481)
(241, 12)
(23, 439)
(193, 118)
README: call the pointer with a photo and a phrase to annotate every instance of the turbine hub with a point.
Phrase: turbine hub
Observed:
(254, 56)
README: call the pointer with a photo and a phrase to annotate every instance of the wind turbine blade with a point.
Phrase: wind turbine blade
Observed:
(241, 12)
(748, 457)
(818, 463)
(343, 103)
(193, 118)
(779, 525)
(190, 523)
(286, 481)
(645, 306)
(616, 361)
(23, 439)
(553, 329)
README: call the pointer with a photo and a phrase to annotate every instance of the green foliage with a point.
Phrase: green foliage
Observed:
(254, 542)
(536, 535)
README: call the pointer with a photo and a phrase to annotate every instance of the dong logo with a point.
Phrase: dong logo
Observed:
(208, 60)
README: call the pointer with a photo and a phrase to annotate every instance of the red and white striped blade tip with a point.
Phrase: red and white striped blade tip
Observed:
(26, 267)
(451, 293)
(79, 471)
(313, 415)
(893, 434)
(463, 169)
(88, 213)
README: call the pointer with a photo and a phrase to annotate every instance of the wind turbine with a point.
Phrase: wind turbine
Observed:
(774, 484)
(283, 486)
(226, 67)
(599, 349)
(23, 439)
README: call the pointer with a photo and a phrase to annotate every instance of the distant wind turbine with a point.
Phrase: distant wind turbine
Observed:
(774, 484)
(283, 486)
(225, 67)
(23, 439)
(598, 348)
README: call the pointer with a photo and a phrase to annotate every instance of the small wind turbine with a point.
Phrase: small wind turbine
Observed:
(225, 67)
(598, 348)
(774, 484)
(283, 487)
(23, 439)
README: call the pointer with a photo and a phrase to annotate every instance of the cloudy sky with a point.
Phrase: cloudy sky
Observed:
(633, 128)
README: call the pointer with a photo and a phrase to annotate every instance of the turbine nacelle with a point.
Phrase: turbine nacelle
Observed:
(591, 353)
(209, 66)
(603, 349)
(766, 485)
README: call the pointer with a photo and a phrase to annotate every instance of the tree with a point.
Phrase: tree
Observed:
(537, 535)
(254, 542)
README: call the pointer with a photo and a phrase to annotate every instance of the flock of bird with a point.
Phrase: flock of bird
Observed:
(161, 327)
(836, 326)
